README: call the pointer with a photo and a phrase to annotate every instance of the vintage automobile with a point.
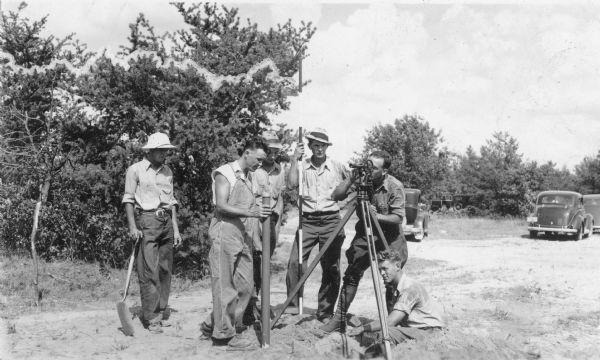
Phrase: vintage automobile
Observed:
(591, 203)
(416, 221)
(560, 212)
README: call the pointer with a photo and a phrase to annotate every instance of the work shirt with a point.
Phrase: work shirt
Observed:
(319, 183)
(411, 298)
(274, 182)
(149, 189)
(388, 198)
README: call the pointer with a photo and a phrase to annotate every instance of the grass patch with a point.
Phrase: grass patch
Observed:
(68, 285)
(474, 228)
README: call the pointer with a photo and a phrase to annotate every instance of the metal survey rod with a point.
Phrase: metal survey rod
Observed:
(265, 297)
(300, 237)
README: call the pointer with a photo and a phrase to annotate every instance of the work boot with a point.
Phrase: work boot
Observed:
(333, 324)
(346, 296)
(154, 326)
(240, 343)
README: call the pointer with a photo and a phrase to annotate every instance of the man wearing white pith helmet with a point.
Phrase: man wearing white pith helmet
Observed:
(152, 216)
(320, 217)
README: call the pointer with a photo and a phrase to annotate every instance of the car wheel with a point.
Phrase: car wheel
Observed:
(579, 234)
(533, 234)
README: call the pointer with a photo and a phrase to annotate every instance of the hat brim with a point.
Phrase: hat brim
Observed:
(166, 147)
(275, 145)
(318, 139)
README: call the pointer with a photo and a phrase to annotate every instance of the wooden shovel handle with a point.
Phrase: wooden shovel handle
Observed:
(129, 269)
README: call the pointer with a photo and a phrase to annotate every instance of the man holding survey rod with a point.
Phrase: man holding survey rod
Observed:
(320, 216)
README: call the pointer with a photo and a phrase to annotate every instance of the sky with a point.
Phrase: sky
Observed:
(468, 69)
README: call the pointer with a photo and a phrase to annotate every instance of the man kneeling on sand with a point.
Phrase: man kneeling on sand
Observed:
(411, 312)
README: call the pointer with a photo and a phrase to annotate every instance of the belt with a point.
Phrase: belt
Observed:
(319, 213)
(158, 212)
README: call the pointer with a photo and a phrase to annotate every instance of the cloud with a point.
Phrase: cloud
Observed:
(533, 71)
(470, 70)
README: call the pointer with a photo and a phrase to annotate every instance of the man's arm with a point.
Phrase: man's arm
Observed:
(292, 179)
(396, 206)
(131, 183)
(341, 191)
(387, 219)
(176, 235)
(222, 206)
(134, 232)
(394, 318)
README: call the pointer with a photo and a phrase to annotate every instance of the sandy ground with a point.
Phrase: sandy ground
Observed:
(503, 298)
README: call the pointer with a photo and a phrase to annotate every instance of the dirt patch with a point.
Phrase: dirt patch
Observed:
(505, 298)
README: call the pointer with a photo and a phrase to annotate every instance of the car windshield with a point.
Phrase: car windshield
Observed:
(557, 199)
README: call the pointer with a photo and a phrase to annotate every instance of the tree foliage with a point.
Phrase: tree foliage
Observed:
(95, 123)
(418, 157)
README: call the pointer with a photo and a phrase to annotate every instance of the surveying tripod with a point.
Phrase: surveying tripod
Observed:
(362, 203)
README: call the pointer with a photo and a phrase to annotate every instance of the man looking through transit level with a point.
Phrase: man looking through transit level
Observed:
(151, 212)
(387, 202)
(320, 217)
(230, 255)
(412, 314)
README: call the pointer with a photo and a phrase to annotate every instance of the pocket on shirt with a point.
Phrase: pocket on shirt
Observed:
(164, 185)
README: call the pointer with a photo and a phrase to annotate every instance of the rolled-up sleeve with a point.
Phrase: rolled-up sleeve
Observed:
(397, 200)
(131, 181)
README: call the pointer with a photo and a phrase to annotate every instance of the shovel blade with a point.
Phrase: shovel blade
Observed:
(125, 317)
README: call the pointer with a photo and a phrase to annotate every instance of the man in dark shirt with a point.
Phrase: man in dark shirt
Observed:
(388, 202)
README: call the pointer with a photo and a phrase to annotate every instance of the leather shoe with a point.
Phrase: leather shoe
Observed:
(332, 325)
(240, 343)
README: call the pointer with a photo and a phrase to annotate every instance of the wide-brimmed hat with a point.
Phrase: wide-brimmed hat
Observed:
(319, 135)
(272, 140)
(158, 141)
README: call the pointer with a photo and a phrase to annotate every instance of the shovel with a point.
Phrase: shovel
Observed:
(122, 309)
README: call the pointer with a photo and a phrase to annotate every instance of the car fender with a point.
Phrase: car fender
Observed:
(589, 220)
(422, 219)
(576, 221)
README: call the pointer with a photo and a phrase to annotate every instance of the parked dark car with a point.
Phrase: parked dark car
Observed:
(441, 201)
(591, 203)
(416, 221)
(560, 212)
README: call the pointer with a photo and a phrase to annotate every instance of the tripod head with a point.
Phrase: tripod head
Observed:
(365, 179)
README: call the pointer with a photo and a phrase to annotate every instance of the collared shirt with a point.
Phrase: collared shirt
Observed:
(319, 183)
(388, 198)
(411, 298)
(274, 182)
(149, 189)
